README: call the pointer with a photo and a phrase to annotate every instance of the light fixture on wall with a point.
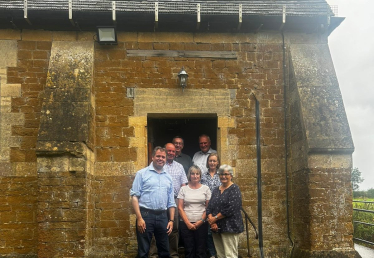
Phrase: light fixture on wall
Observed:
(106, 35)
(183, 76)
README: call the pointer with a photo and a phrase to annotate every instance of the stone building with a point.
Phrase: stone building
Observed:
(78, 119)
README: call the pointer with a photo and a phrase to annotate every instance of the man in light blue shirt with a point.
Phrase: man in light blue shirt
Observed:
(176, 171)
(152, 196)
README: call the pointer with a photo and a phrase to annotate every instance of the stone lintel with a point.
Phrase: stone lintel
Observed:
(189, 101)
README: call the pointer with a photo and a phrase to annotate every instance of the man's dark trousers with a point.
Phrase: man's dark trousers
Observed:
(156, 223)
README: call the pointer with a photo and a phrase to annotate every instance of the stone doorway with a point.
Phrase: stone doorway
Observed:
(161, 128)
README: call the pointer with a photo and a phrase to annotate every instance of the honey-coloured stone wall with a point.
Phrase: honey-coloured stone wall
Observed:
(74, 132)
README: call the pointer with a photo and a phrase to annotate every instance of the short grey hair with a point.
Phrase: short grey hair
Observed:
(227, 168)
(205, 136)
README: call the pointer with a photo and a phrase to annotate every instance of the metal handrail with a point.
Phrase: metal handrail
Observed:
(247, 218)
(369, 211)
(364, 223)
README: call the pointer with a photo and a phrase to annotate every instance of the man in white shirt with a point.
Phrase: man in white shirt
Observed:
(200, 157)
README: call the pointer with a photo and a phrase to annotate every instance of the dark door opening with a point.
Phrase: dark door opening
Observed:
(163, 127)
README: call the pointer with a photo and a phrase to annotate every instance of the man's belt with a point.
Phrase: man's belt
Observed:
(152, 211)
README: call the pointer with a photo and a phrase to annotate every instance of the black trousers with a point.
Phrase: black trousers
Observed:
(194, 240)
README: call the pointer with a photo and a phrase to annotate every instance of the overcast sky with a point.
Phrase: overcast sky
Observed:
(352, 50)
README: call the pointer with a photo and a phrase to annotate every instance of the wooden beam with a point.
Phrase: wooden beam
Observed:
(25, 12)
(156, 15)
(198, 16)
(114, 12)
(173, 53)
(71, 12)
(283, 18)
(240, 16)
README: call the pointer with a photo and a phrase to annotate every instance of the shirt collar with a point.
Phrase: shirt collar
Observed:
(206, 153)
(151, 167)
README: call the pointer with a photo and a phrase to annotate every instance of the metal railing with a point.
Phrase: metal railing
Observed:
(248, 219)
(356, 214)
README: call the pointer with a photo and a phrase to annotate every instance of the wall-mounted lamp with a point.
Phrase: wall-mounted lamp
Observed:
(107, 35)
(183, 76)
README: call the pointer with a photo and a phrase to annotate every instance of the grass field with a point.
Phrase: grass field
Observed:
(362, 231)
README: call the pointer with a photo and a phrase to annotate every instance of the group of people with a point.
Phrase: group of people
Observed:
(194, 198)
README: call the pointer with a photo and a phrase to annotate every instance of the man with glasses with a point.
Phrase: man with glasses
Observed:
(180, 157)
(200, 157)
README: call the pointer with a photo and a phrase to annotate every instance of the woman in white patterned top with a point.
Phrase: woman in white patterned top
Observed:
(211, 179)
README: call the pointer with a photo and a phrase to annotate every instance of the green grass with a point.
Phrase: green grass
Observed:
(361, 231)
(364, 199)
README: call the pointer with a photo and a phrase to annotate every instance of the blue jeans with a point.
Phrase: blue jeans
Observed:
(156, 223)
(210, 243)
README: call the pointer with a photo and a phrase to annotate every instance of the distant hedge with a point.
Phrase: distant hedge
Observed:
(364, 194)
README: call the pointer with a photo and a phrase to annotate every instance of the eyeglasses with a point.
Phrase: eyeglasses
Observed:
(225, 174)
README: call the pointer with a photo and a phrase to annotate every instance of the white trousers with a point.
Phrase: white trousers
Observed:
(226, 244)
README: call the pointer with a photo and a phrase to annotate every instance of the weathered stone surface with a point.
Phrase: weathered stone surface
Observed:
(319, 156)
(322, 109)
(64, 160)
(66, 109)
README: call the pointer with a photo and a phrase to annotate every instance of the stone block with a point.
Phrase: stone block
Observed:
(114, 168)
(43, 45)
(220, 38)
(10, 34)
(36, 35)
(24, 169)
(199, 101)
(8, 53)
(64, 36)
(164, 37)
(127, 36)
(10, 90)
(86, 36)
(330, 161)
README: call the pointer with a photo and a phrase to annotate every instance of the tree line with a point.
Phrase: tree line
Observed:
(356, 179)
